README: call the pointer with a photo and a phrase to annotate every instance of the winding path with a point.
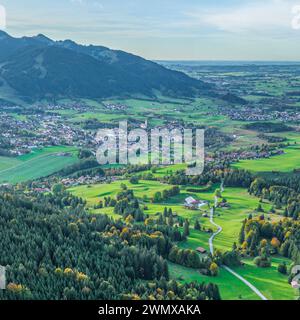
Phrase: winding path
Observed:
(220, 229)
(211, 248)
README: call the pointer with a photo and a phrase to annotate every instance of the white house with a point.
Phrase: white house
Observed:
(193, 204)
(295, 285)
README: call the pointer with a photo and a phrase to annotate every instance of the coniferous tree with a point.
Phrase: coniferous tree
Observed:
(170, 221)
(186, 228)
(197, 225)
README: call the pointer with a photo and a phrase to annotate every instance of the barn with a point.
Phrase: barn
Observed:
(201, 250)
(194, 204)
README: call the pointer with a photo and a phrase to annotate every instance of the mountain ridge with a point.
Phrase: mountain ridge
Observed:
(39, 67)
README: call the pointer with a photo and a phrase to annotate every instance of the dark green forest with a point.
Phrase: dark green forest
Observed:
(52, 249)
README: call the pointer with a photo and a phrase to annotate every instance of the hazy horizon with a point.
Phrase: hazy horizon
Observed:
(226, 30)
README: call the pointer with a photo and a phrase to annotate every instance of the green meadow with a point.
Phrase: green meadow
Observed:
(155, 111)
(162, 171)
(38, 163)
(271, 283)
(286, 162)
(241, 205)
(230, 287)
(94, 193)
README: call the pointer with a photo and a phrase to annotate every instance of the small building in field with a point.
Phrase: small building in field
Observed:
(201, 250)
(194, 204)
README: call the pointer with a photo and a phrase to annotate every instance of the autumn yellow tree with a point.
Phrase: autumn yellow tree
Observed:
(214, 269)
(275, 243)
(263, 243)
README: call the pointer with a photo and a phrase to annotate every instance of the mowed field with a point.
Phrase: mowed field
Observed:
(39, 163)
(94, 193)
(155, 111)
(271, 283)
(241, 205)
(230, 287)
(286, 162)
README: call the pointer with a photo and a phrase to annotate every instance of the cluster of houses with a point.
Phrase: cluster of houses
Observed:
(245, 155)
(21, 136)
(116, 107)
(83, 180)
(41, 189)
(56, 108)
(258, 114)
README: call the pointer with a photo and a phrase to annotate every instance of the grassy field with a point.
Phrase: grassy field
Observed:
(241, 205)
(162, 171)
(39, 163)
(196, 239)
(230, 287)
(271, 283)
(285, 162)
(6, 163)
(141, 109)
(94, 193)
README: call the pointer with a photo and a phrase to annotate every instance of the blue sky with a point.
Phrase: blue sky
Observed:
(167, 29)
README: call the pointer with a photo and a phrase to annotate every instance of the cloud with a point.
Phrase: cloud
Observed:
(270, 15)
(2, 17)
(93, 3)
(296, 18)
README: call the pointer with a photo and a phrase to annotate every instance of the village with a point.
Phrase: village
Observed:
(258, 114)
(20, 136)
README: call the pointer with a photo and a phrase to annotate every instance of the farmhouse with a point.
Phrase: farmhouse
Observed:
(201, 250)
(193, 204)
(295, 285)
(223, 205)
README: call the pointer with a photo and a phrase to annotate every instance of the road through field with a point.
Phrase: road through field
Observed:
(211, 247)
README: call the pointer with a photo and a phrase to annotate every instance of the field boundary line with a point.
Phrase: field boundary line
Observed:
(30, 160)
(211, 247)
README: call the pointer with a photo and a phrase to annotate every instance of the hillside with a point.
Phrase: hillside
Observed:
(34, 68)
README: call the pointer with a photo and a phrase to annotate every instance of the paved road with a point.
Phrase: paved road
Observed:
(247, 283)
(211, 247)
(211, 239)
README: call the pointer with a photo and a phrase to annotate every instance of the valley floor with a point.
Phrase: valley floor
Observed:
(39, 163)
(269, 281)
